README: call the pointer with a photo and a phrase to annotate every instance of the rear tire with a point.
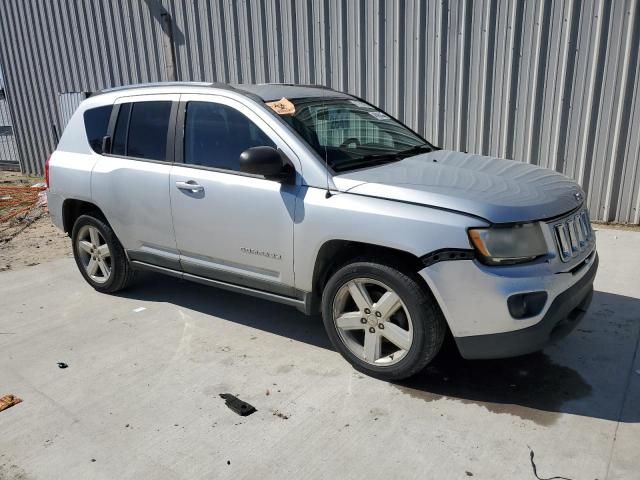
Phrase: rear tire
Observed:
(382, 320)
(99, 255)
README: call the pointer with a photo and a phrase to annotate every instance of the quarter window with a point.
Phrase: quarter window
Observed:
(215, 135)
(141, 130)
(96, 123)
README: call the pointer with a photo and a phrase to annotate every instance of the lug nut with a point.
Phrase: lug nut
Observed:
(381, 326)
(378, 314)
(367, 311)
(363, 320)
(372, 330)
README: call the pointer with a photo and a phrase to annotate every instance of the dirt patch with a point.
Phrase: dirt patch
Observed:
(18, 178)
(30, 238)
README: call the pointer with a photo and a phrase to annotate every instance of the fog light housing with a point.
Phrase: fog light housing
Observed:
(526, 305)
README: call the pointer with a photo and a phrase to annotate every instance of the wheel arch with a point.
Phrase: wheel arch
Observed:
(334, 254)
(73, 208)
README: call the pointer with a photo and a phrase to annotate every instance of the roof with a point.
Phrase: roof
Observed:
(275, 91)
(265, 91)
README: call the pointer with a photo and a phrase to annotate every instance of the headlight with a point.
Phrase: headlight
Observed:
(508, 245)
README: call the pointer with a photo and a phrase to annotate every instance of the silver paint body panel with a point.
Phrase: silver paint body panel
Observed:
(501, 191)
(264, 231)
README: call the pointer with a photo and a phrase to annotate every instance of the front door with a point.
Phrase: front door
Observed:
(230, 226)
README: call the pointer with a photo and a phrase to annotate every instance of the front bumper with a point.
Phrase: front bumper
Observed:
(562, 316)
(473, 299)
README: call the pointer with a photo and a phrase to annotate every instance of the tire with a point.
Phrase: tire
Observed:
(113, 258)
(417, 317)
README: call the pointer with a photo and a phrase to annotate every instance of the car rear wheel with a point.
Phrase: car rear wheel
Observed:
(382, 320)
(99, 255)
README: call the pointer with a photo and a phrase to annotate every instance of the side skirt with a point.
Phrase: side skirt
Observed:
(303, 304)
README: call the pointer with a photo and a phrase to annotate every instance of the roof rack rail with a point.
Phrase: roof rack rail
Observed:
(304, 85)
(162, 84)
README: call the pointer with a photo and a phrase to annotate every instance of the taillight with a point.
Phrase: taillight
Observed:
(46, 172)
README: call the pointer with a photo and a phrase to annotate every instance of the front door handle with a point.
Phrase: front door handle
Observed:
(190, 185)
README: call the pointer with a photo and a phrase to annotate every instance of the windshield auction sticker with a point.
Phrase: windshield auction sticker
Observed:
(282, 106)
(379, 115)
(360, 104)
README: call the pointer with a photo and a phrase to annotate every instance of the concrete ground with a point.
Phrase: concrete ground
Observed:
(140, 396)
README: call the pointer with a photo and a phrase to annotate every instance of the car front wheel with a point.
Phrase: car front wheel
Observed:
(382, 320)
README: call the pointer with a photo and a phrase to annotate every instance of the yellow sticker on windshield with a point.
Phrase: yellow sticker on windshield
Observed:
(282, 107)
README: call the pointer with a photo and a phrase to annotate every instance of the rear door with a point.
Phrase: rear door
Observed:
(131, 182)
(231, 226)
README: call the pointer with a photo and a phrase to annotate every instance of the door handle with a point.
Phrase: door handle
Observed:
(190, 185)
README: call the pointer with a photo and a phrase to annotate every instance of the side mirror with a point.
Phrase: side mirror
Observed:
(265, 161)
(106, 144)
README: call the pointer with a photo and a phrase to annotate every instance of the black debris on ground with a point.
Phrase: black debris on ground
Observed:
(236, 405)
(62, 365)
(535, 468)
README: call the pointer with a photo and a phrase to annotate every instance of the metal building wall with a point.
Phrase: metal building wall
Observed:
(67, 104)
(550, 82)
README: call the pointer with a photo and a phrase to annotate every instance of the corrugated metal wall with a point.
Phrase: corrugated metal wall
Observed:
(554, 83)
(67, 104)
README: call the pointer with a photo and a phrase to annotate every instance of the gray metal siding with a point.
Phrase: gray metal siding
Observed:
(67, 104)
(550, 82)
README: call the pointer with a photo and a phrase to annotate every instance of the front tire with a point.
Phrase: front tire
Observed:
(99, 255)
(382, 320)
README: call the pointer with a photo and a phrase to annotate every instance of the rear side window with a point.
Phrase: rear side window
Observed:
(215, 135)
(141, 130)
(96, 122)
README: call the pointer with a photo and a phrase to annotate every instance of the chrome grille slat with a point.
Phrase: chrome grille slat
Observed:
(573, 234)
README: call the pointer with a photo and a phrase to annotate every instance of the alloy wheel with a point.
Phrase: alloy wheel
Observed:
(372, 321)
(94, 254)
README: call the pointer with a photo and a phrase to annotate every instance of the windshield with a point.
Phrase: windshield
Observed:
(350, 133)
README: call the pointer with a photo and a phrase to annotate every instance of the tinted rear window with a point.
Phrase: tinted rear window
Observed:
(141, 130)
(148, 130)
(96, 122)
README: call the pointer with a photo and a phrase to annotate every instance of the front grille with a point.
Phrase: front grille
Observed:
(573, 234)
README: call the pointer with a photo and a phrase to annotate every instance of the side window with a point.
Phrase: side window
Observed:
(141, 130)
(215, 135)
(96, 123)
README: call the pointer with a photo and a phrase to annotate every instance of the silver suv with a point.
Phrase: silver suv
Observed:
(319, 200)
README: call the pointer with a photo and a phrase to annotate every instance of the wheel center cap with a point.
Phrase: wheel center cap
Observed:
(372, 320)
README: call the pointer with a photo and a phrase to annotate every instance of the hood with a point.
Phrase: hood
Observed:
(494, 189)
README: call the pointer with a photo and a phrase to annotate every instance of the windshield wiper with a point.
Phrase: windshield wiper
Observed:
(367, 161)
(381, 158)
(424, 148)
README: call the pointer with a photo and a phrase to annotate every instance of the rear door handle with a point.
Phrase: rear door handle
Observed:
(190, 186)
